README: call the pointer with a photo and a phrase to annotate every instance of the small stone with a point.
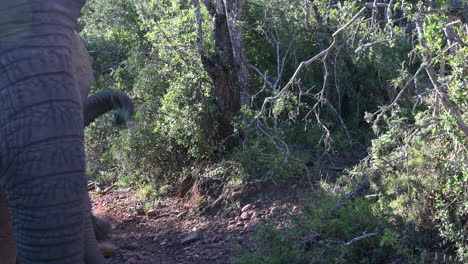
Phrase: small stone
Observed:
(155, 239)
(107, 249)
(152, 212)
(191, 237)
(131, 261)
(214, 238)
(134, 255)
(296, 209)
(245, 216)
(132, 246)
(274, 211)
(235, 195)
(277, 203)
(255, 215)
(247, 208)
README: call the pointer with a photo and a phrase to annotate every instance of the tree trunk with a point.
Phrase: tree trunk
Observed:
(228, 67)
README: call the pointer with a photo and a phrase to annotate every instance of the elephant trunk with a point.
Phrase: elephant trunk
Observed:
(42, 159)
(107, 100)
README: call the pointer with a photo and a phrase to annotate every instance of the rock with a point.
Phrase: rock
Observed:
(255, 215)
(182, 215)
(152, 212)
(132, 246)
(133, 255)
(215, 238)
(194, 236)
(132, 261)
(155, 239)
(235, 195)
(247, 207)
(107, 249)
(277, 203)
(296, 209)
(274, 211)
(245, 216)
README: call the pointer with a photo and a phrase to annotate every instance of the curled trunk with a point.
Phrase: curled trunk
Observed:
(105, 101)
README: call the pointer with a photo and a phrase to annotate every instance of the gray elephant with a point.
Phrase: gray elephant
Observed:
(42, 162)
(93, 107)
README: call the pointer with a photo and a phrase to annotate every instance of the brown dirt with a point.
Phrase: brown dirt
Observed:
(178, 233)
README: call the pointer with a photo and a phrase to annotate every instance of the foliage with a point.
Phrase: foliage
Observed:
(324, 235)
(418, 162)
(147, 50)
(388, 72)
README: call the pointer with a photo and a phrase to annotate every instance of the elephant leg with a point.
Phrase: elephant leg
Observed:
(7, 241)
(101, 227)
(92, 253)
(8, 250)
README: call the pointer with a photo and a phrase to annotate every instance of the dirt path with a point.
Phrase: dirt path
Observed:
(175, 233)
(168, 234)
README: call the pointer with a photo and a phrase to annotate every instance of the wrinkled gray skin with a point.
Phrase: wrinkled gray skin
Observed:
(42, 162)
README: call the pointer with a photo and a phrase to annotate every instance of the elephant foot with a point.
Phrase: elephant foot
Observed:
(102, 228)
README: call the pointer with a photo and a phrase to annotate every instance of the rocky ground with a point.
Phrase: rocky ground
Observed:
(176, 232)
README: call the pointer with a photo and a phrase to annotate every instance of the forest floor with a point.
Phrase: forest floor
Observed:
(176, 232)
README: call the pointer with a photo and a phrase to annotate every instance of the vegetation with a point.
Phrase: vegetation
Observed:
(283, 90)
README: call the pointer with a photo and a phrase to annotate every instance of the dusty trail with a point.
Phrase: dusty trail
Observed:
(175, 233)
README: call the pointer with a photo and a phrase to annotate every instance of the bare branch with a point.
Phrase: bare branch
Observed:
(305, 63)
(372, 5)
(364, 235)
(265, 79)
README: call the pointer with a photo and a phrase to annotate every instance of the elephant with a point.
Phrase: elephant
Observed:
(42, 159)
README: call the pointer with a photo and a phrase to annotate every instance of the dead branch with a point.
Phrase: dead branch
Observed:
(301, 66)
(360, 188)
(370, 5)
(364, 235)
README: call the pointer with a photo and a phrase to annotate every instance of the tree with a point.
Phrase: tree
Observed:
(227, 65)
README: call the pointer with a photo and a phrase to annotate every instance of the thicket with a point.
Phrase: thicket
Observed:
(327, 80)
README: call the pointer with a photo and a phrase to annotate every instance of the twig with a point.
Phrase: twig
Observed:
(364, 235)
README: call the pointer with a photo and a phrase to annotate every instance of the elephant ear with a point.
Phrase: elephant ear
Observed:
(105, 101)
